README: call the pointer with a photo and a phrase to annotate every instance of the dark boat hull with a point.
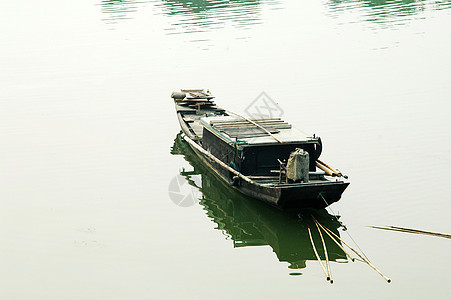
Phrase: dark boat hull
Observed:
(295, 196)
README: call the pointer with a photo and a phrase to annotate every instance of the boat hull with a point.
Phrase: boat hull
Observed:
(286, 196)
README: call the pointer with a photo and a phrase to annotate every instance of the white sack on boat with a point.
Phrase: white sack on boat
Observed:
(298, 165)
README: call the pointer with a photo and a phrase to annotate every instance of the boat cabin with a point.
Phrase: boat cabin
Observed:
(252, 150)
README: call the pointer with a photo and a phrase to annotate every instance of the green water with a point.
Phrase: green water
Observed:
(89, 160)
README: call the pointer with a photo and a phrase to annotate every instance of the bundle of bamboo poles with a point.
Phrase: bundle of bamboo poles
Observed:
(336, 238)
(328, 169)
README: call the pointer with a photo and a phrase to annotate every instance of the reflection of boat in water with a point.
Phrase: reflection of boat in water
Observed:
(249, 222)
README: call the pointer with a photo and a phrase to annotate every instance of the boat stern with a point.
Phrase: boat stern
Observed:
(311, 195)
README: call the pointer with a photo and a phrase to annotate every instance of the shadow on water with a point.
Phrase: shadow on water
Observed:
(249, 222)
(385, 12)
(192, 16)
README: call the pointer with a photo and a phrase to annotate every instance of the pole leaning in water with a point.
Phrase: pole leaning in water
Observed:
(363, 258)
(316, 253)
(338, 244)
(325, 253)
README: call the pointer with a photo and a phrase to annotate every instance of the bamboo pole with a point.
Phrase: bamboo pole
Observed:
(191, 90)
(261, 127)
(316, 253)
(325, 254)
(203, 151)
(334, 171)
(333, 239)
(328, 172)
(416, 231)
(363, 258)
(326, 165)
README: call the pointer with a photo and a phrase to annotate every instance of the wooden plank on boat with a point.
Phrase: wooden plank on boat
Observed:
(226, 122)
(249, 136)
(251, 125)
(282, 126)
(203, 109)
(200, 104)
(191, 90)
(199, 95)
(244, 122)
(249, 131)
(197, 107)
(237, 121)
(194, 100)
(249, 120)
(263, 177)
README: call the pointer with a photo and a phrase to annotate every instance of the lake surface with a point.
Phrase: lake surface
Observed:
(91, 168)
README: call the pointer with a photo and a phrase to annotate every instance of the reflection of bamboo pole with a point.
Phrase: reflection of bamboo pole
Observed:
(363, 258)
(325, 254)
(333, 239)
(316, 253)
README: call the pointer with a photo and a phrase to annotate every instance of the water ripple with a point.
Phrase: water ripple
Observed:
(193, 16)
(383, 13)
(116, 10)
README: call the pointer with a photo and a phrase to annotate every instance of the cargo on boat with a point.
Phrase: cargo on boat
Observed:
(264, 158)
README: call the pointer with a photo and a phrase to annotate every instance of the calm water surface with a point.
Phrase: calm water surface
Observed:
(89, 151)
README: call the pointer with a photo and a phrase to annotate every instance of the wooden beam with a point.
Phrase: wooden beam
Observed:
(211, 156)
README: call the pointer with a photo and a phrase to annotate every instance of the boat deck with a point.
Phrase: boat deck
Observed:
(256, 131)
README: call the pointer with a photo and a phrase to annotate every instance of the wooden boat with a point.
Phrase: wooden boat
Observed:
(264, 158)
